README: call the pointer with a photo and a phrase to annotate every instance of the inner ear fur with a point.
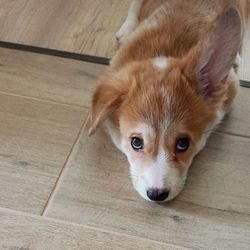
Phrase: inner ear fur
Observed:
(211, 60)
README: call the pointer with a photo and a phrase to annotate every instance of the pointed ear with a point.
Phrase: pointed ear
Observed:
(214, 57)
(106, 99)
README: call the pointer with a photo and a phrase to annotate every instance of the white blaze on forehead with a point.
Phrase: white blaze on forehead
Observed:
(160, 62)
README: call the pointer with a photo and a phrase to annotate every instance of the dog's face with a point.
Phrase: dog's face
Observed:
(159, 122)
(160, 111)
(163, 123)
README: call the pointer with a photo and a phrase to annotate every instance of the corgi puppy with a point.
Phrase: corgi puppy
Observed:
(170, 83)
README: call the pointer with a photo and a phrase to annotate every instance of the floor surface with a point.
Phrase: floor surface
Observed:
(59, 188)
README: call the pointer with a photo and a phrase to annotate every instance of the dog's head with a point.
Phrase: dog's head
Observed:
(160, 111)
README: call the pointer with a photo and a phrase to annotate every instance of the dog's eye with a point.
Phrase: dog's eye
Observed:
(182, 144)
(136, 143)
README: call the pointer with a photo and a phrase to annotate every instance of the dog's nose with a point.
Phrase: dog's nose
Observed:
(155, 194)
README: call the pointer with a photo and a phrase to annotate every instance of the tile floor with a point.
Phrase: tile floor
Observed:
(60, 189)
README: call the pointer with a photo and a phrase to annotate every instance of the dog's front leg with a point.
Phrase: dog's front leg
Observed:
(131, 21)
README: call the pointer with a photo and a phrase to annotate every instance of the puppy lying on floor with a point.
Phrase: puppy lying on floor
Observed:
(171, 82)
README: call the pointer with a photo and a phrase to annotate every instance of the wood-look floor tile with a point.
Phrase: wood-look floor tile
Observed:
(20, 231)
(238, 120)
(86, 27)
(244, 72)
(220, 175)
(96, 190)
(35, 140)
(48, 77)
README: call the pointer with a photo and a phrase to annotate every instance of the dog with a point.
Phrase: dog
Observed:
(171, 82)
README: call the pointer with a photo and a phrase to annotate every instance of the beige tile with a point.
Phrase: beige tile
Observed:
(96, 190)
(238, 120)
(86, 27)
(20, 231)
(244, 72)
(35, 140)
(48, 77)
(220, 175)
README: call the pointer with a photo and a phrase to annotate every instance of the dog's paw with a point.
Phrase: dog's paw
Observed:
(122, 33)
(120, 37)
(237, 62)
(125, 30)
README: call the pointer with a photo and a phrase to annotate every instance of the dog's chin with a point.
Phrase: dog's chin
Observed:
(141, 190)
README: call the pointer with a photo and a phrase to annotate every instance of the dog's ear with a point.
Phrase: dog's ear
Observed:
(214, 57)
(106, 99)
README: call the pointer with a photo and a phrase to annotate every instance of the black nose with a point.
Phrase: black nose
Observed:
(155, 194)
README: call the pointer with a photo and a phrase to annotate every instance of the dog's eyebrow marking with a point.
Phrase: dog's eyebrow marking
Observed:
(161, 62)
(144, 129)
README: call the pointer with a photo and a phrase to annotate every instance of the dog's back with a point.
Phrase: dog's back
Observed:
(180, 24)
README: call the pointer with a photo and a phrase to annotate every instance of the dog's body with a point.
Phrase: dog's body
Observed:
(170, 83)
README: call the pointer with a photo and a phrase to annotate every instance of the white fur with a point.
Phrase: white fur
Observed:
(159, 174)
(131, 21)
(160, 62)
(209, 130)
(237, 62)
(114, 134)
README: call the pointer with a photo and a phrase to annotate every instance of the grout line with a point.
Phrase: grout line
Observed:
(65, 166)
(44, 100)
(71, 55)
(89, 227)
(55, 52)
(244, 83)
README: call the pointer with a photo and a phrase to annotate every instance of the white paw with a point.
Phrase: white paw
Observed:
(237, 62)
(125, 30)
